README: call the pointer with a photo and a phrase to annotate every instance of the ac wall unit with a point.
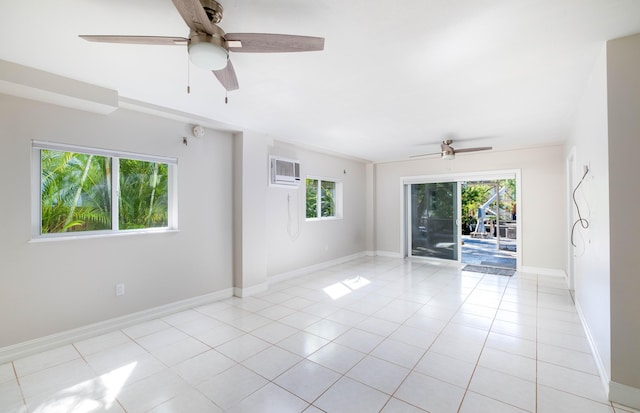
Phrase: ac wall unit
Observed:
(284, 171)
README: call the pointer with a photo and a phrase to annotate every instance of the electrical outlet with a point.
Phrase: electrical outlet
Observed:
(119, 290)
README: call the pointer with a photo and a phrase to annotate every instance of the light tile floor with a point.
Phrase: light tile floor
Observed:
(371, 335)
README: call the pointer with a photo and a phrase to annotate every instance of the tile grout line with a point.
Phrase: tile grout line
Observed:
(412, 369)
(343, 375)
(398, 296)
(367, 354)
(537, 326)
(15, 374)
(466, 390)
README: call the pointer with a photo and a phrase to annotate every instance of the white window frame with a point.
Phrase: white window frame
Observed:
(338, 198)
(36, 205)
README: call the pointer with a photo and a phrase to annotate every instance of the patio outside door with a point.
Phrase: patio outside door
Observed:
(433, 220)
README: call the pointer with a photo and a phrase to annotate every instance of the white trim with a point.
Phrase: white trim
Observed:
(115, 196)
(333, 218)
(337, 198)
(29, 83)
(603, 373)
(36, 198)
(316, 267)
(249, 291)
(172, 114)
(64, 147)
(543, 271)
(441, 262)
(103, 234)
(17, 351)
(624, 395)
(390, 254)
(519, 219)
(460, 177)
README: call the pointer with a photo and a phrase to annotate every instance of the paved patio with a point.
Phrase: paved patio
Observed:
(479, 251)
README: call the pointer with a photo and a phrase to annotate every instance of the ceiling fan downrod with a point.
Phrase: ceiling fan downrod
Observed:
(213, 9)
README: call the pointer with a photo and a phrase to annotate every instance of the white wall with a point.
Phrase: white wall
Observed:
(542, 210)
(605, 137)
(623, 79)
(592, 279)
(250, 216)
(49, 287)
(293, 242)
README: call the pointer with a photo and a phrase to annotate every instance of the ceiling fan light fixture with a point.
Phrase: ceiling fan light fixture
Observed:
(208, 52)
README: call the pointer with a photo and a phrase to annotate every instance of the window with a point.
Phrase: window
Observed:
(324, 198)
(83, 190)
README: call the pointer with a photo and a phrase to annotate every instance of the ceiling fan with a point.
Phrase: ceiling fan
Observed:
(209, 46)
(448, 152)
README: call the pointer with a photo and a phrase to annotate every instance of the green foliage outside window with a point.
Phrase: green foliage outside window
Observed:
(475, 194)
(326, 198)
(312, 198)
(472, 197)
(328, 202)
(76, 193)
(143, 194)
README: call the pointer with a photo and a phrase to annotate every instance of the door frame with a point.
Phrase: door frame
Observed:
(405, 181)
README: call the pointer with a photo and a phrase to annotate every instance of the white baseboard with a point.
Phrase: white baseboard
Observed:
(249, 291)
(390, 254)
(624, 395)
(27, 348)
(316, 267)
(600, 365)
(440, 262)
(543, 271)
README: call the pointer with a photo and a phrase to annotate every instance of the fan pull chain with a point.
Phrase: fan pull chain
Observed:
(226, 97)
(188, 76)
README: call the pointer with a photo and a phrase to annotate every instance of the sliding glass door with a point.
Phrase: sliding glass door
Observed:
(433, 229)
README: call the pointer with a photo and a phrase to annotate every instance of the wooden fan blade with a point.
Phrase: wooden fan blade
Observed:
(194, 15)
(153, 40)
(480, 148)
(227, 77)
(426, 154)
(273, 43)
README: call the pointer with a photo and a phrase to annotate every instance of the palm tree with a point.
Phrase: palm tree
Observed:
(143, 201)
(312, 198)
(327, 202)
(73, 192)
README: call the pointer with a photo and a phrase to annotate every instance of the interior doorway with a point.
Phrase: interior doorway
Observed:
(489, 223)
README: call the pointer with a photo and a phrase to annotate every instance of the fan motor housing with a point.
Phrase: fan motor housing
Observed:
(217, 38)
(213, 9)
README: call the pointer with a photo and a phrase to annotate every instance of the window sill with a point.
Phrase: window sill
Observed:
(106, 234)
(323, 219)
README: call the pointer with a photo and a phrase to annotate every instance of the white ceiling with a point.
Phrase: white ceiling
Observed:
(393, 77)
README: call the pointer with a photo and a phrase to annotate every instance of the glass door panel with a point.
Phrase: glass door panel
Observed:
(433, 226)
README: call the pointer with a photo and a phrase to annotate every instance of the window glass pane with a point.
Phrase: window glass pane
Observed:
(433, 220)
(143, 194)
(75, 190)
(312, 198)
(328, 199)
